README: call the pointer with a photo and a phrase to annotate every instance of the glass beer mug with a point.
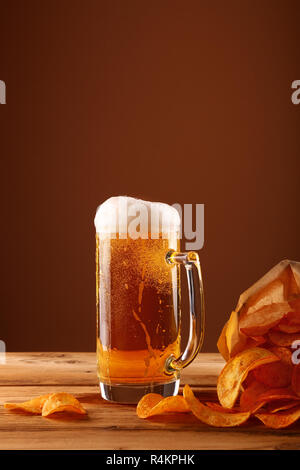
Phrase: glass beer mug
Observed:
(138, 297)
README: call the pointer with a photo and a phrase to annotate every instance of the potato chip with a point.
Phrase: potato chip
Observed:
(249, 397)
(235, 340)
(211, 416)
(277, 394)
(272, 293)
(258, 339)
(284, 354)
(280, 285)
(291, 288)
(58, 402)
(287, 327)
(248, 380)
(259, 322)
(33, 406)
(217, 407)
(283, 339)
(256, 397)
(268, 314)
(281, 405)
(236, 370)
(154, 404)
(251, 342)
(146, 403)
(296, 379)
(294, 315)
(232, 341)
(279, 420)
(222, 344)
(276, 374)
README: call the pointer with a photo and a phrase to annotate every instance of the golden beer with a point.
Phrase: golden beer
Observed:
(137, 309)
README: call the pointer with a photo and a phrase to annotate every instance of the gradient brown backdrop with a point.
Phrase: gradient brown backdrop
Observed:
(185, 102)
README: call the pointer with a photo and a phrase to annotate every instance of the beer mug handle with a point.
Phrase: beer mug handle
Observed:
(191, 263)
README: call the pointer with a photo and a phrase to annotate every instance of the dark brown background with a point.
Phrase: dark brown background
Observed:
(185, 102)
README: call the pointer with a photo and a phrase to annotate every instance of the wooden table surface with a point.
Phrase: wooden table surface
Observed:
(112, 426)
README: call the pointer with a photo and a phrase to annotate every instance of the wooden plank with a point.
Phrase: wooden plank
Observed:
(113, 427)
(48, 368)
(143, 440)
(80, 369)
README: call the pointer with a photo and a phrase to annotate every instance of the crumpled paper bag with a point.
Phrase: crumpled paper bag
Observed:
(281, 283)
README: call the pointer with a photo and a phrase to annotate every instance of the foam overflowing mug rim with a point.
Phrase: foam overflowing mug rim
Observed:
(123, 214)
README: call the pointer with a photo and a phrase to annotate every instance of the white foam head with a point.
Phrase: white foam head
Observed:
(122, 214)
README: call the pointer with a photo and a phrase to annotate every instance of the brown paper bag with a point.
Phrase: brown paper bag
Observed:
(280, 284)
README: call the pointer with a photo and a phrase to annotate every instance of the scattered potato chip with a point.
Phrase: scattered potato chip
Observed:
(279, 420)
(236, 370)
(211, 416)
(146, 403)
(154, 404)
(260, 321)
(58, 402)
(283, 339)
(33, 406)
(217, 407)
